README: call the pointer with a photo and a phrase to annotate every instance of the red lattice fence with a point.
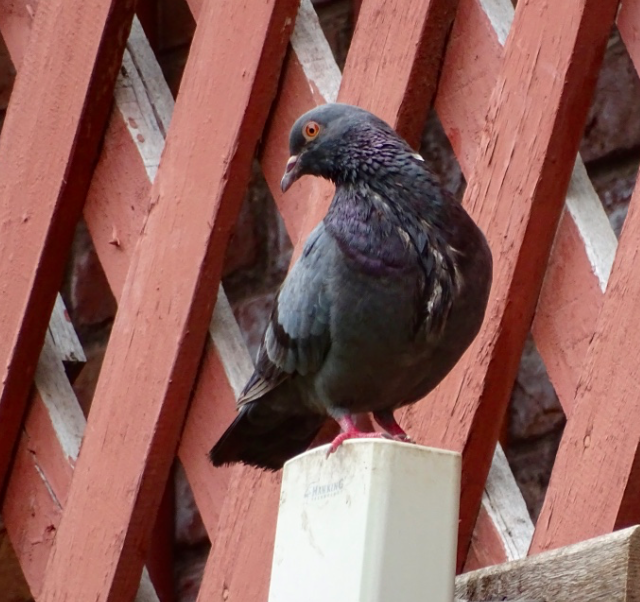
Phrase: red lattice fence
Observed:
(513, 108)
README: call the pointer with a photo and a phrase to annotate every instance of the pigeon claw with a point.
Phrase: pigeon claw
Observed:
(351, 431)
(354, 434)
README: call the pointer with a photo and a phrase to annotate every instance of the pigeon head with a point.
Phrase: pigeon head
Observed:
(341, 143)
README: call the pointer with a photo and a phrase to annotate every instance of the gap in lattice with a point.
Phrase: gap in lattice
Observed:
(91, 307)
(7, 78)
(192, 544)
(534, 426)
(337, 20)
(257, 260)
(610, 145)
(439, 156)
(171, 39)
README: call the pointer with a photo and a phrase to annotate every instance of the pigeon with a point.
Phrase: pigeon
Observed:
(389, 291)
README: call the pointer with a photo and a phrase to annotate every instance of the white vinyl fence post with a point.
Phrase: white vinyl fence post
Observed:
(376, 521)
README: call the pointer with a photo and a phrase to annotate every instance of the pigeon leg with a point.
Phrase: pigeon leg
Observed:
(386, 420)
(351, 431)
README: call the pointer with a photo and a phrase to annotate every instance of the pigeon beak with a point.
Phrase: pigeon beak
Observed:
(291, 173)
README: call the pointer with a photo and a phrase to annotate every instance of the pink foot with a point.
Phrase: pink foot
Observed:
(350, 431)
(389, 424)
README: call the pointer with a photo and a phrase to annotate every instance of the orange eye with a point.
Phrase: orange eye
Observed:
(311, 130)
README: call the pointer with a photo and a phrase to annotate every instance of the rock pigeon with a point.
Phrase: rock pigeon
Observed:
(389, 291)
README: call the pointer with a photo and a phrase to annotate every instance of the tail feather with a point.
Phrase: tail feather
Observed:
(265, 437)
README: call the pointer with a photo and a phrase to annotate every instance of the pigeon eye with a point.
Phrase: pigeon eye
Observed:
(311, 130)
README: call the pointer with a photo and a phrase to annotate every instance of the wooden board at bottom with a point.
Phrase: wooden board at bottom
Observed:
(603, 569)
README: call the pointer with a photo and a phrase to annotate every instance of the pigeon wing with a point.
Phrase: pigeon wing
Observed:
(298, 336)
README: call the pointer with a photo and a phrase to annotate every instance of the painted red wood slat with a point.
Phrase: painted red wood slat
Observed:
(408, 26)
(56, 117)
(467, 81)
(38, 486)
(595, 473)
(115, 210)
(516, 194)
(568, 307)
(560, 329)
(485, 548)
(627, 22)
(168, 295)
(602, 436)
(16, 20)
(117, 202)
(115, 206)
(128, 199)
(394, 60)
(559, 324)
(32, 515)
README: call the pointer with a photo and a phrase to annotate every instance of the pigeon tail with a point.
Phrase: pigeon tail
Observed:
(266, 437)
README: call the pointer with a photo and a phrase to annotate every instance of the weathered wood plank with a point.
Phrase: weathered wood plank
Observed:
(56, 117)
(595, 473)
(516, 193)
(604, 569)
(168, 295)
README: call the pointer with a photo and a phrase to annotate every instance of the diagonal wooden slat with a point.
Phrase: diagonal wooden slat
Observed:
(114, 211)
(595, 473)
(169, 294)
(117, 203)
(583, 251)
(43, 469)
(56, 117)
(602, 437)
(554, 55)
